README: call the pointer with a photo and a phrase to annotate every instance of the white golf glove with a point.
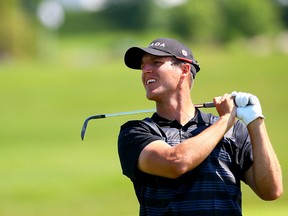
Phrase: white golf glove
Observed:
(248, 107)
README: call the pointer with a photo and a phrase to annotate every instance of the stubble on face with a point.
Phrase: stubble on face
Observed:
(159, 77)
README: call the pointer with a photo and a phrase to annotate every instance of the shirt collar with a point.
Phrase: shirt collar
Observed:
(199, 118)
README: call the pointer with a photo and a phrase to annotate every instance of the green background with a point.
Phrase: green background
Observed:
(45, 168)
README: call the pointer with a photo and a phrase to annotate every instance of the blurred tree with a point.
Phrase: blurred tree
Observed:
(249, 18)
(205, 20)
(116, 15)
(223, 20)
(17, 36)
(197, 20)
(283, 8)
(128, 14)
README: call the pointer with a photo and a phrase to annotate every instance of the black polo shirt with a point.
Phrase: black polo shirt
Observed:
(212, 188)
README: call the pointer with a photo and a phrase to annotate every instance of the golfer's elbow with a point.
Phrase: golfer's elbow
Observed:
(177, 170)
(275, 195)
(272, 194)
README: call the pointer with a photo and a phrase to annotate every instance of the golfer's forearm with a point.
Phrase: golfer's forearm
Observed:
(159, 158)
(266, 168)
(196, 149)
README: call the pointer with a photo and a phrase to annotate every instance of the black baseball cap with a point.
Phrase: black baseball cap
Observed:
(161, 47)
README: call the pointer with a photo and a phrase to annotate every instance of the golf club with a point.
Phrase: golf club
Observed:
(100, 116)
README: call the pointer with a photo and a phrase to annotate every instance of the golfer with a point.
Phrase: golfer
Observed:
(183, 161)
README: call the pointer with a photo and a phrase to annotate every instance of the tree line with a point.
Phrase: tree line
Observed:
(198, 20)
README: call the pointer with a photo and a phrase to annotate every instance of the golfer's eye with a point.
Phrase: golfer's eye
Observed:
(151, 65)
(157, 63)
(143, 66)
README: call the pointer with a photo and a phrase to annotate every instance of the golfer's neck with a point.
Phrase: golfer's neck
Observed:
(182, 111)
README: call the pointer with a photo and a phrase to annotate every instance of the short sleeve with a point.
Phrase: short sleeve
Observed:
(134, 136)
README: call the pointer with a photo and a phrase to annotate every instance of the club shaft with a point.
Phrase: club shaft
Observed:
(100, 116)
(129, 113)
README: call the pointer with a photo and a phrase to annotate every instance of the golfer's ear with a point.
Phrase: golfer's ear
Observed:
(185, 69)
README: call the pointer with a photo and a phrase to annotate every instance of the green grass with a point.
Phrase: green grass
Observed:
(47, 170)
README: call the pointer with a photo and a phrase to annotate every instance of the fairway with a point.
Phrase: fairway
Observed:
(45, 168)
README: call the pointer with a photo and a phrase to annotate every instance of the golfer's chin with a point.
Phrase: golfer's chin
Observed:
(151, 96)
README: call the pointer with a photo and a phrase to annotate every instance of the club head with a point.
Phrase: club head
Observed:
(83, 131)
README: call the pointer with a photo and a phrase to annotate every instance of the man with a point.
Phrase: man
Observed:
(185, 162)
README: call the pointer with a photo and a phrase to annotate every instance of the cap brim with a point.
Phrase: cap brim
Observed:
(133, 56)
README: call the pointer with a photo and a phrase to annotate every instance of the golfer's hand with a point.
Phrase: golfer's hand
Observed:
(226, 108)
(248, 107)
(242, 99)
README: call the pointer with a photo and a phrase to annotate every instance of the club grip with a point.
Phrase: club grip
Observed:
(208, 104)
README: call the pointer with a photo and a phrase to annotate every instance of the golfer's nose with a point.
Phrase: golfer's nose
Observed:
(146, 68)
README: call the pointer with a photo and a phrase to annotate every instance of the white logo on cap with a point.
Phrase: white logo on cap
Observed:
(158, 44)
(184, 52)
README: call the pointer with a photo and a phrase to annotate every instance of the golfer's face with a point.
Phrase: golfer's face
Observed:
(159, 76)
